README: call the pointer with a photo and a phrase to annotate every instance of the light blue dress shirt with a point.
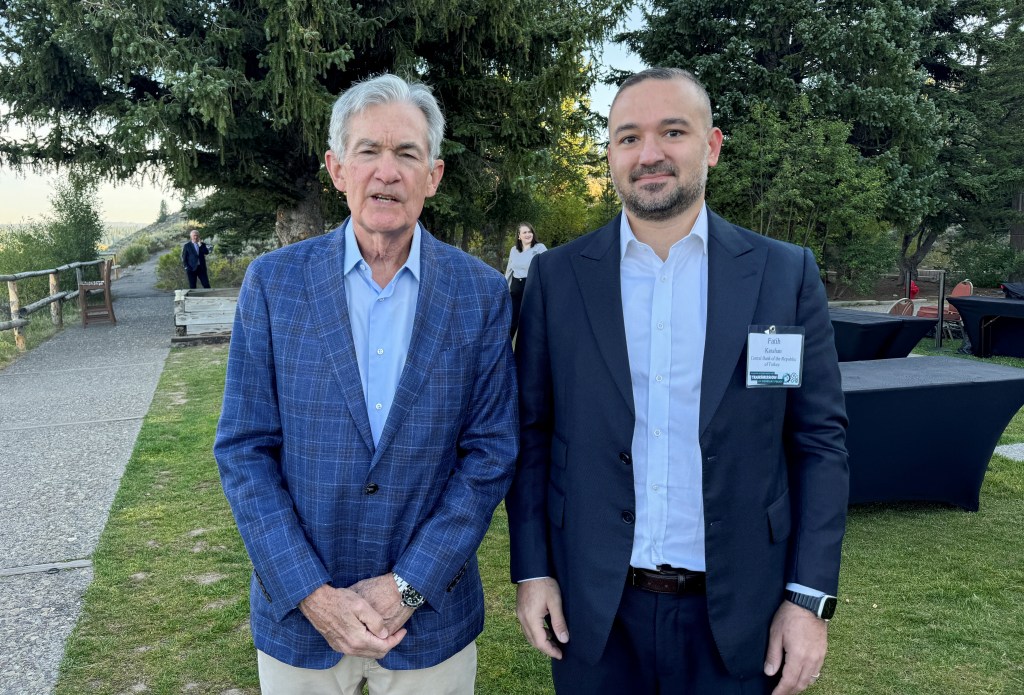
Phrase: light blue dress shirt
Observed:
(381, 320)
(665, 309)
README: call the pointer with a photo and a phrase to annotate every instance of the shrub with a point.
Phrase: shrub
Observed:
(29, 248)
(133, 255)
(228, 271)
(986, 262)
(224, 271)
(169, 273)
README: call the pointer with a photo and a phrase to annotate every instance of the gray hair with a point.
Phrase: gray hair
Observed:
(379, 90)
(668, 74)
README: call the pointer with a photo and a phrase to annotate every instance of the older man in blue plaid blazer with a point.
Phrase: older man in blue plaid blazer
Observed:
(369, 425)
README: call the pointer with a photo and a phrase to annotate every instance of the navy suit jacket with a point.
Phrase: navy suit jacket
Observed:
(315, 501)
(191, 259)
(774, 459)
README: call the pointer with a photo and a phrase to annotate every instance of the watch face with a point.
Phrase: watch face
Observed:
(411, 598)
(828, 607)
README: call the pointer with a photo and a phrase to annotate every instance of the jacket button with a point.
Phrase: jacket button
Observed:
(628, 517)
(371, 489)
(626, 458)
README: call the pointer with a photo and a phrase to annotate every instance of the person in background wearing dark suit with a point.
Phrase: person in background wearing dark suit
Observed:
(678, 511)
(193, 258)
(369, 425)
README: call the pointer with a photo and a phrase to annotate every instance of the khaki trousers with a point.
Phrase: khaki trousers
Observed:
(454, 676)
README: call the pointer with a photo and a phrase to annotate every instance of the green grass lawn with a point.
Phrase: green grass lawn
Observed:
(932, 597)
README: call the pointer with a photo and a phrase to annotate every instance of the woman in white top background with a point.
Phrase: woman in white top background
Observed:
(519, 259)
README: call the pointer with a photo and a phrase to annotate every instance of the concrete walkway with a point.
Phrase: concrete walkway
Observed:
(70, 411)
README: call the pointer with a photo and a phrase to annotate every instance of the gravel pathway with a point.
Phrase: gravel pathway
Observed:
(70, 411)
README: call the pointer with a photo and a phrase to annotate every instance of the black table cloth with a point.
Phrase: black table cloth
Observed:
(868, 335)
(994, 325)
(924, 428)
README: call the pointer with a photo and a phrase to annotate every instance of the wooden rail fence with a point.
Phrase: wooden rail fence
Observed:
(55, 300)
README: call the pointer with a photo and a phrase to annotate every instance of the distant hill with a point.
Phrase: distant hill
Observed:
(162, 234)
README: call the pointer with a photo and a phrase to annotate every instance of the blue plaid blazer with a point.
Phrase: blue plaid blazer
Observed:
(297, 458)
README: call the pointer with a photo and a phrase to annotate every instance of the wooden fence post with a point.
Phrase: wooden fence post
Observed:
(19, 335)
(57, 308)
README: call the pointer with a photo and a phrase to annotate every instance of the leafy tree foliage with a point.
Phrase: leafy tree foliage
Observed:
(972, 55)
(797, 178)
(930, 91)
(233, 95)
(76, 228)
(71, 233)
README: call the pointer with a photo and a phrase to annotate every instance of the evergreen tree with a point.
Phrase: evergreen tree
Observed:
(930, 90)
(854, 63)
(233, 95)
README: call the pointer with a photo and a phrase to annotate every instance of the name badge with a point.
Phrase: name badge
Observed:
(775, 356)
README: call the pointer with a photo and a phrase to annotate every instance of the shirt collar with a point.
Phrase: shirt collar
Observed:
(353, 257)
(699, 231)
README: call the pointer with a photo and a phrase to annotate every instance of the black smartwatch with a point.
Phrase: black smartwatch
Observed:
(822, 606)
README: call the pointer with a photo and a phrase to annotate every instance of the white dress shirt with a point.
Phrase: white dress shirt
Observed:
(665, 307)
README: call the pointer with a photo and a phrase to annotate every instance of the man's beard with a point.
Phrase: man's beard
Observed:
(685, 194)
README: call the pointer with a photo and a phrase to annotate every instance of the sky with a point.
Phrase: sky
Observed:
(25, 197)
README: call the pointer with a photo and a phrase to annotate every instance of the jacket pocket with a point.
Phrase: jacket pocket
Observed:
(780, 518)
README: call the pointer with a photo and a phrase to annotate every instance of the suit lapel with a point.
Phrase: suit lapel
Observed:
(735, 269)
(597, 272)
(430, 327)
(328, 307)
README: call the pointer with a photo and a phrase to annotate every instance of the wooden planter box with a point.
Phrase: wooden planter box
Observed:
(204, 312)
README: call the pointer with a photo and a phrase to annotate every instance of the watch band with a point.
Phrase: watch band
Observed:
(410, 597)
(822, 606)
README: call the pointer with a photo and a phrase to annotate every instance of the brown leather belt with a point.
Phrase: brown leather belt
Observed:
(667, 580)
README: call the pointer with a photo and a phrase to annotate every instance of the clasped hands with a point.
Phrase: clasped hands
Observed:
(363, 620)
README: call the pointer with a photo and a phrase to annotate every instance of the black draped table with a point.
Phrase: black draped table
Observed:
(924, 428)
(994, 325)
(868, 335)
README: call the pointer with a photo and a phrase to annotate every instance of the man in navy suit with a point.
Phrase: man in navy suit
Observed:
(680, 496)
(369, 424)
(193, 258)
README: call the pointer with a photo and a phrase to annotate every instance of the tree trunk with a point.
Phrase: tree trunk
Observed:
(1017, 229)
(926, 238)
(303, 220)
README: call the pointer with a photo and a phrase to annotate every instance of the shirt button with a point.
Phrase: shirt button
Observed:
(380, 351)
(661, 326)
(380, 299)
(379, 406)
(657, 433)
(371, 489)
(654, 487)
(362, 267)
(628, 517)
(664, 278)
(659, 378)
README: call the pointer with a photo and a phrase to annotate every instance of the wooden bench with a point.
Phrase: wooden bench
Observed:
(91, 313)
